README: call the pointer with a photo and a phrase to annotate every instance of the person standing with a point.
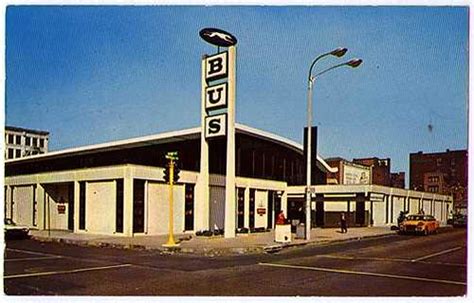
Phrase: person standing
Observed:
(343, 223)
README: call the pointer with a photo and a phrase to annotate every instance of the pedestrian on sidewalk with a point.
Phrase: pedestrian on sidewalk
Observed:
(281, 218)
(343, 223)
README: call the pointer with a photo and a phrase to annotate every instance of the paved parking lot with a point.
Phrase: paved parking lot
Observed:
(390, 266)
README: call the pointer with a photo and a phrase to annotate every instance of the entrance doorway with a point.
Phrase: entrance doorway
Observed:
(189, 207)
(138, 206)
(240, 207)
(70, 209)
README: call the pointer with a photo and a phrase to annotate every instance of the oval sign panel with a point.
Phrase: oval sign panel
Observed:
(218, 37)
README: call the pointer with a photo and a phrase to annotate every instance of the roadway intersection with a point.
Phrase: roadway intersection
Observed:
(397, 265)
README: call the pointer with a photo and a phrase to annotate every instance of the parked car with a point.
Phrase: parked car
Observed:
(15, 231)
(419, 224)
(459, 220)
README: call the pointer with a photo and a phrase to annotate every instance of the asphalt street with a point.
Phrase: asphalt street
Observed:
(396, 265)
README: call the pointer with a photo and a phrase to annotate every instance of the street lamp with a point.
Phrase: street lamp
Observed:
(338, 52)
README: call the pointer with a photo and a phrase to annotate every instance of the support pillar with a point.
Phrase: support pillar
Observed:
(76, 205)
(40, 207)
(202, 182)
(230, 201)
(128, 203)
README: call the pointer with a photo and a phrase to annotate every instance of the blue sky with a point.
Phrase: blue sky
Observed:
(97, 74)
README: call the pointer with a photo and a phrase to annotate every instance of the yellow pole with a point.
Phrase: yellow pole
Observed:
(171, 241)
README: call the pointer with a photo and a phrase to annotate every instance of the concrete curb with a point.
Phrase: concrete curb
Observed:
(210, 252)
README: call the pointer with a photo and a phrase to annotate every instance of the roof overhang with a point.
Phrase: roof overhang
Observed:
(169, 137)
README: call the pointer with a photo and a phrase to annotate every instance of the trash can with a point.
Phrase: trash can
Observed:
(283, 233)
(300, 231)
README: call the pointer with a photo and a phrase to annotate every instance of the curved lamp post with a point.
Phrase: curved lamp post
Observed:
(338, 52)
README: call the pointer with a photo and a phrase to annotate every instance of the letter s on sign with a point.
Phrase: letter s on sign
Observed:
(216, 126)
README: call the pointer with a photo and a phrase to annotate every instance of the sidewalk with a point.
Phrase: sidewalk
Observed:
(210, 246)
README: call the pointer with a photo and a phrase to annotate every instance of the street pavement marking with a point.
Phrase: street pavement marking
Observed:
(32, 252)
(388, 260)
(343, 271)
(32, 259)
(48, 273)
(437, 254)
(52, 255)
(364, 258)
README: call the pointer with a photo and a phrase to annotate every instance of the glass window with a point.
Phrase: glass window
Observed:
(27, 141)
(10, 139)
(35, 141)
(18, 153)
(18, 139)
(41, 141)
(10, 153)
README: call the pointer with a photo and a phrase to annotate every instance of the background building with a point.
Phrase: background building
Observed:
(348, 172)
(22, 142)
(381, 172)
(397, 180)
(380, 169)
(442, 172)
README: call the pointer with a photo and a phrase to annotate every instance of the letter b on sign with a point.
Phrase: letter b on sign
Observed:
(216, 126)
(216, 67)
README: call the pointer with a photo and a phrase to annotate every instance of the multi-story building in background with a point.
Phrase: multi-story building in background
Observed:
(348, 172)
(397, 179)
(441, 172)
(380, 169)
(381, 172)
(22, 142)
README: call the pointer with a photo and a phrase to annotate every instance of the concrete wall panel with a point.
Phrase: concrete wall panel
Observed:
(23, 205)
(158, 209)
(100, 207)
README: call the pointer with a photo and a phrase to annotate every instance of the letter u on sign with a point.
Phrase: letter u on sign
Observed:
(216, 67)
(216, 96)
(216, 126)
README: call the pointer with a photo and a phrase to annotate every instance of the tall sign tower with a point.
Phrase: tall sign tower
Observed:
(218, 118)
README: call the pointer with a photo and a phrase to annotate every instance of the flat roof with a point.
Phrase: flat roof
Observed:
(168, 137)
(26, 130)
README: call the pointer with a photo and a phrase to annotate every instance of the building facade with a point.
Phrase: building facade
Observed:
(22, 142)
(443, 173)
(118, 188)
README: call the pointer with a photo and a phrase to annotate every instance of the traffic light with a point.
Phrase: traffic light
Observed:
(176, 172)
(166, 173)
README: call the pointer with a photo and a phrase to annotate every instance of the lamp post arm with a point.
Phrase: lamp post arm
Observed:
(352, 63)
(329, 69)
(314, 62)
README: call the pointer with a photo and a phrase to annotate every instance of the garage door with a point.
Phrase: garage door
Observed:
(217, 207)
(158, 209)
(23, 205)
(100, 208)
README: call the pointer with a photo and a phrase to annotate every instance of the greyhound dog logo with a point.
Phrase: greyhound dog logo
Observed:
(218, 37)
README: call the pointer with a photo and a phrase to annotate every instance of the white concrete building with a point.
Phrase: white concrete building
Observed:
(117, 188)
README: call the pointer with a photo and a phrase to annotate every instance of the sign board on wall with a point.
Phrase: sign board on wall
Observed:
(61, 209)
